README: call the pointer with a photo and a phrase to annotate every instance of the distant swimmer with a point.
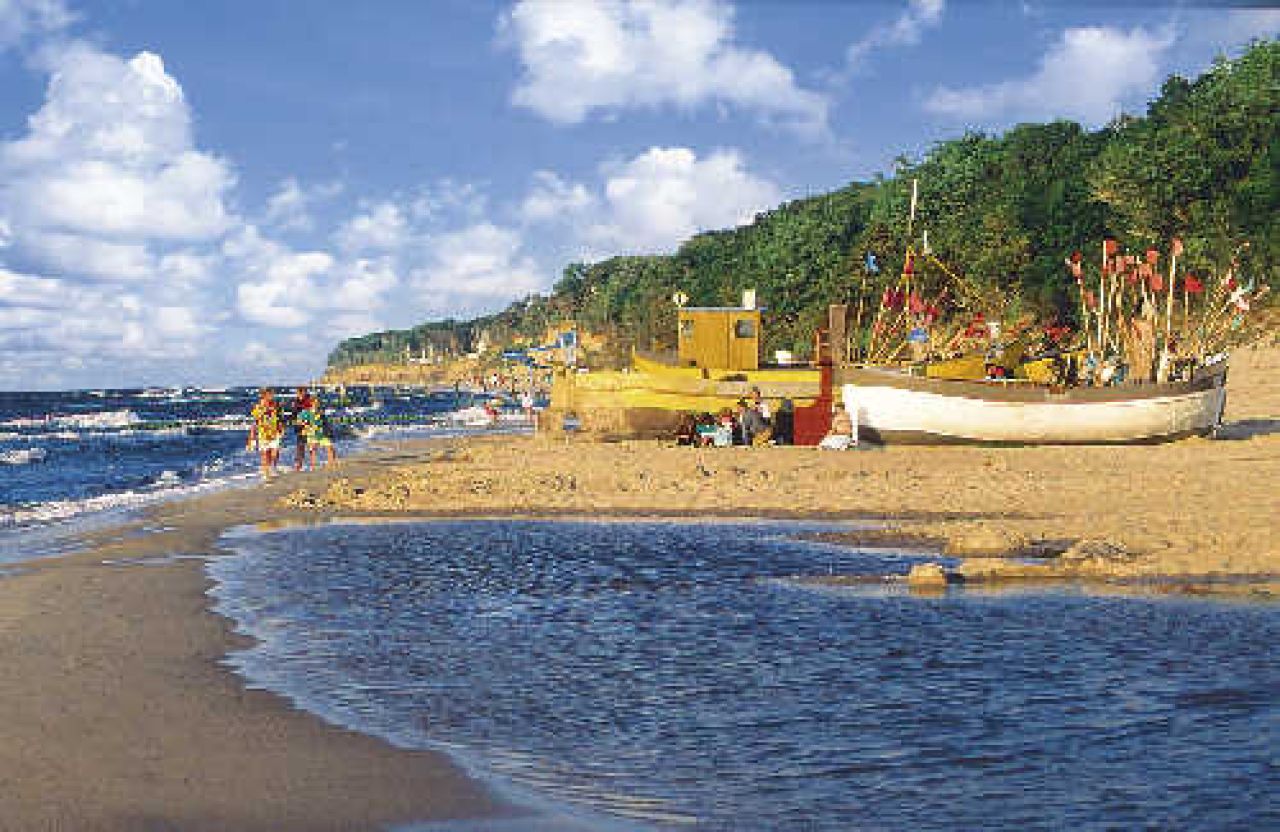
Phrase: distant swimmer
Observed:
(266, 431)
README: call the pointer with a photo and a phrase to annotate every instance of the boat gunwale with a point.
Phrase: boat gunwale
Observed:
(1210, 379)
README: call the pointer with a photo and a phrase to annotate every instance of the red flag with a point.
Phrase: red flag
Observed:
(1153, 257)
(915, 303)
(1156, 282)
(1076, 257)
(909, 267)
(1109, 248)
(1176, 247)
(1192, 285)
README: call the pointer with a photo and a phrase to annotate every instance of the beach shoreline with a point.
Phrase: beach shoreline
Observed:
(122, 716)
(1201, 510)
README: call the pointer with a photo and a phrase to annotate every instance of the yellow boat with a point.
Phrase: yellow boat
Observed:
(716, 364)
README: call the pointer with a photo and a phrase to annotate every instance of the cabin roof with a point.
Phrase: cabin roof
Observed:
(721, 309)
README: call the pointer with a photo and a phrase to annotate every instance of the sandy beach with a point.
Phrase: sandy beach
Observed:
(118, 715)
(1197, 508)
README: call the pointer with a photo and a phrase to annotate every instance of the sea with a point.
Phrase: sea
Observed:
(643, 675)
(75, 459)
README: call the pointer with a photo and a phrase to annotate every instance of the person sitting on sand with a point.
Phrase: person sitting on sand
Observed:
(266, 431)
(758, 402)
(706, 429)
(687, 429)
(784, 423)
(840, 437)
(726, 429)
(754, 427)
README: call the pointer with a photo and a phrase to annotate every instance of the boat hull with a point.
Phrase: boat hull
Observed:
(896, 408)
(650, 403)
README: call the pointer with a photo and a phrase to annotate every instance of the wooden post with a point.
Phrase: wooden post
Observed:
(837, 323)
(1166, 355)
(1101, 309)
(862, 297)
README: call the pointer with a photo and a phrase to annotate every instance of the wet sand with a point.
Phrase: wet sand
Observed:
(118, 715)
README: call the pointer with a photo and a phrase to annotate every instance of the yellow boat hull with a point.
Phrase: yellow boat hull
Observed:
(650, 402)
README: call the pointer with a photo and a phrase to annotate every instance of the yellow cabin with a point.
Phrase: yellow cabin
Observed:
(719, 338)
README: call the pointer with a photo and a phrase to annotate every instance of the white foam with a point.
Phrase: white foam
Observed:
(168, 478)
(107, 419)
(23, 456)
(58, 510)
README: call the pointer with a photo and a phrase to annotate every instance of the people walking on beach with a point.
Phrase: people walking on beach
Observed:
(840, 437)
(302, 402)
(266, 431)
(316, 433)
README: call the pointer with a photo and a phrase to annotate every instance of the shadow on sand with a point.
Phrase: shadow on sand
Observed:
(1247, 429)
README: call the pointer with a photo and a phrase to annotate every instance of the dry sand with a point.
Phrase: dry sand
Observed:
(117, 715)
(1200, 507)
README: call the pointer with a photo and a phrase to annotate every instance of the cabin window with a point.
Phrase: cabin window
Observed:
(686, 328)
(744, 328)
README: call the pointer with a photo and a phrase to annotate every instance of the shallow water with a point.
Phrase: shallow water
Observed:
(667, 675)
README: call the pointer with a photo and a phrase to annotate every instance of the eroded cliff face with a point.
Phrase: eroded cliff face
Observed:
(446, 373)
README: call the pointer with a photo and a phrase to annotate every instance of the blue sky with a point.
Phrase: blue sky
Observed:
(218, 192)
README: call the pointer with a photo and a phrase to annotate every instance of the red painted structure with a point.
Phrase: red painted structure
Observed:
(813, 422)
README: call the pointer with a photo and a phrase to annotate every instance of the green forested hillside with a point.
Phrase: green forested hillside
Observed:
(1203, 163)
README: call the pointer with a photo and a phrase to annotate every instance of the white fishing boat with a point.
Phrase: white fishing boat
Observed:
(891, 406)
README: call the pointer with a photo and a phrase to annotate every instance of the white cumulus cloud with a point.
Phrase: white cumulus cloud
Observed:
(22, 19)
(598, 56)
(290, 207)
(109, 159)
(551, 198)
(665, 195)
(382, 227)
(1091, 74)
(476, 268)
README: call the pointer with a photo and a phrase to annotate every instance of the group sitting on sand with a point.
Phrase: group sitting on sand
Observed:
(753, 423)
(306, 417)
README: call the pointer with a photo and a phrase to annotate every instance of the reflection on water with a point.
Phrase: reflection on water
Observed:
(669, 675)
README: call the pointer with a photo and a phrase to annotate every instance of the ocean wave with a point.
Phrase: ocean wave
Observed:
(106, 420)
(117, 425)
(23, 456)
(166, 487)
